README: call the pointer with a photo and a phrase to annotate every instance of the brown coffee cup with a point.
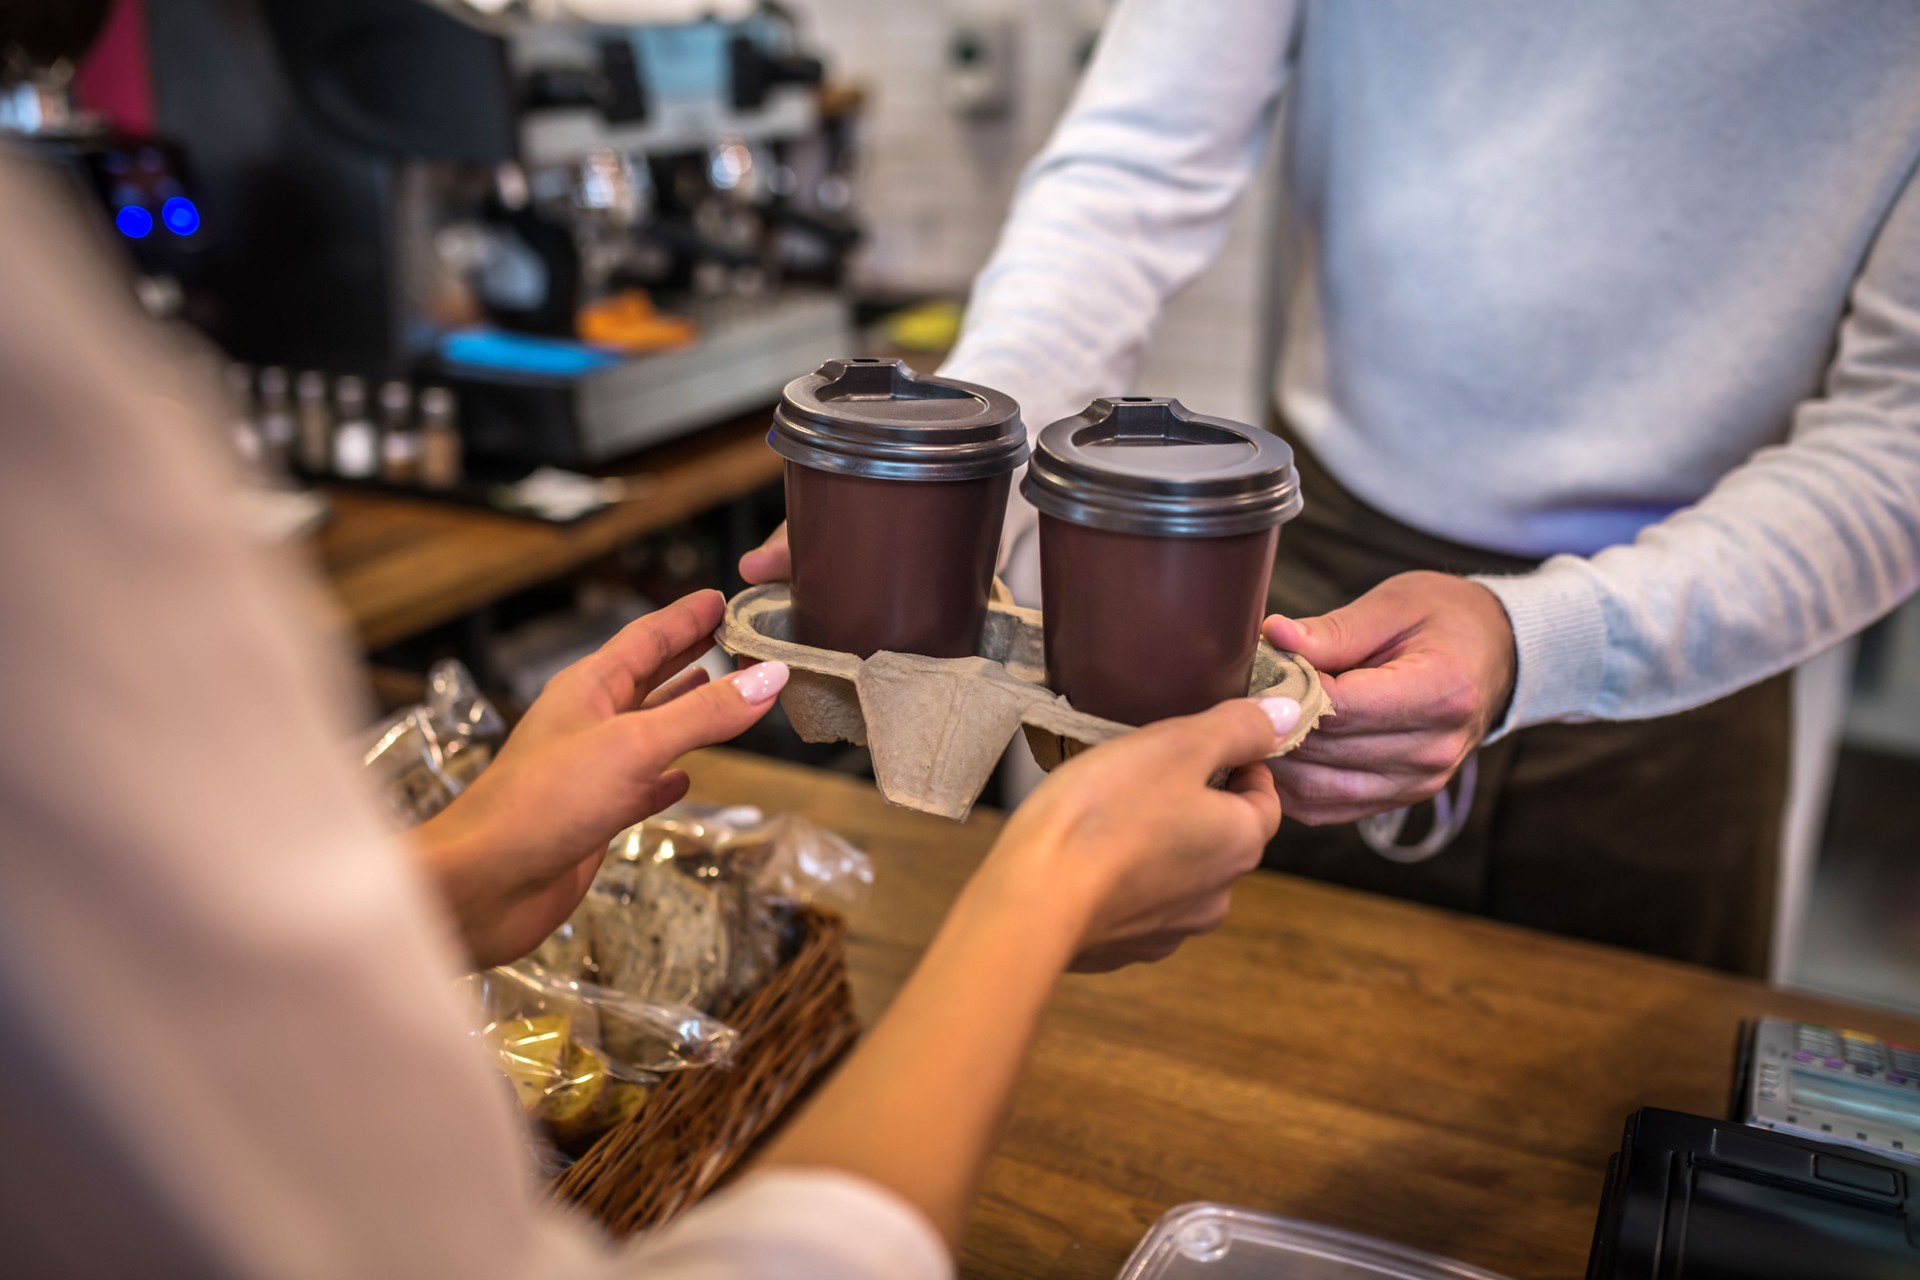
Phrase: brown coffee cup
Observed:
(1158, 528)
(896, 491)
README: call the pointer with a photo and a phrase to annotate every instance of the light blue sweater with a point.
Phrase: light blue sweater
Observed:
(1633, 285)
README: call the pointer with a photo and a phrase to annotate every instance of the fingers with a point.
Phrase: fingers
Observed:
(1234, 733)
(771, 561)
(687, 681)
(701, 717)
(656, 646)
(1414, 753)
(1109, 956)
(1207, 914)
(1414, 692)
(1319, 795)
(1253, 783)
(1351, 636)
(670, 788)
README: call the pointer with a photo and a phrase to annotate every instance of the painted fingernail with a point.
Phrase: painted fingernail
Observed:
(758, 683)
(1285, 714)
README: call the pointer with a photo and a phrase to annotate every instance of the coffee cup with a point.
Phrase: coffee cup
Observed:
(1158, 528)
(897, 488)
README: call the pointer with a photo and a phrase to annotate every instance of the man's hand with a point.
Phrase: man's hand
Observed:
(515, 853)
(1130, 840)
(771, 561)
(1418, 670)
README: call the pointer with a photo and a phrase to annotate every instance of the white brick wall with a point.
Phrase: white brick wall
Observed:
(934, 185)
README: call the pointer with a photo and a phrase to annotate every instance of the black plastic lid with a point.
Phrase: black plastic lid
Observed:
(1140, 464)
(873, 417)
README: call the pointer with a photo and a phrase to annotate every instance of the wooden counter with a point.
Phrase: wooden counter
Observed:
(399, 565)
(1445, 1082)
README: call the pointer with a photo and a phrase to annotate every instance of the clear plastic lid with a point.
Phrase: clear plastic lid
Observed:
(1208, 1241)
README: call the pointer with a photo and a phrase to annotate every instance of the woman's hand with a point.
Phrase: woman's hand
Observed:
(515, 853)
(1136, 844)
(1118, 856)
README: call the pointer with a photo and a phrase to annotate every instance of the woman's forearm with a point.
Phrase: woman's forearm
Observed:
(919, 1105)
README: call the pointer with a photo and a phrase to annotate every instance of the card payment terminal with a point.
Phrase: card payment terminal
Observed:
(1831, 1084)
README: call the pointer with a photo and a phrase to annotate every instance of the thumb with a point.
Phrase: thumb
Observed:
(771, 561)
(707, 715)
(1341, 640)
(1236, 732)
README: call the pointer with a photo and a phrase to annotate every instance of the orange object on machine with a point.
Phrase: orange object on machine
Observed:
(629, 322)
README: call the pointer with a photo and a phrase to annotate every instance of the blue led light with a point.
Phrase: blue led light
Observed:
(134, 222)
(181, 216)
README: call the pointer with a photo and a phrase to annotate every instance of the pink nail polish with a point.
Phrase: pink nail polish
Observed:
(1284, 713)
(758, 683)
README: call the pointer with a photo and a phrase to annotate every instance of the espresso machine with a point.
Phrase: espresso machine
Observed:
(138, 186)
(603, 223)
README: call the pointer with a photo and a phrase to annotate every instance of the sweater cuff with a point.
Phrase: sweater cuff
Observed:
(1560, 643)
(801, 1224)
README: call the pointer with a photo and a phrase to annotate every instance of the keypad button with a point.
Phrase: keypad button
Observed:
(1819, 1039)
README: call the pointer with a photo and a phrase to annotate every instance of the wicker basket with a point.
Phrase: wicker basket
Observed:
(698, 1124)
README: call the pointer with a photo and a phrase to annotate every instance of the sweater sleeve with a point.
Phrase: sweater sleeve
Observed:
(1126, 204)
(1796, 549)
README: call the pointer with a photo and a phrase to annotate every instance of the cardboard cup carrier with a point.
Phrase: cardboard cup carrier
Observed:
(938, 717)
(937, 726)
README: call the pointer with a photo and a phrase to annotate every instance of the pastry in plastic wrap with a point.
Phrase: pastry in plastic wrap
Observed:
(572, 1108)
(530, 1052)
(691, 912)
(568, 953)
(668, 944)
(422, 757)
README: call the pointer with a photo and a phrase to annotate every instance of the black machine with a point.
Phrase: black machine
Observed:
(1689, 1198)
(295, 115)
(410, 188)
(142, 186)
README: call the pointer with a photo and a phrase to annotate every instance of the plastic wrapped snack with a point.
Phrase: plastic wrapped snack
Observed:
(691, 912)
(421, 758)
(570, 1089)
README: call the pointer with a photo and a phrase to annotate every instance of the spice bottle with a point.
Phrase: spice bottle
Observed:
(315, 415)
(399, 441)
(276, 419)
(439, 439)
(356, 444)
(241, 432)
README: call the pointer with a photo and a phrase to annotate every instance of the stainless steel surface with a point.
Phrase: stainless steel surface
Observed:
(748, 350)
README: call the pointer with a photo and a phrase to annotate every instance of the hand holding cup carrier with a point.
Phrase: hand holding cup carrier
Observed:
(1158, 532)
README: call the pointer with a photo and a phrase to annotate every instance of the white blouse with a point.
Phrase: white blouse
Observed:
(230, 1043)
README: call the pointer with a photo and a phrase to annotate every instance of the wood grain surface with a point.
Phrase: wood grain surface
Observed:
(1448, 1083)
(399, 565)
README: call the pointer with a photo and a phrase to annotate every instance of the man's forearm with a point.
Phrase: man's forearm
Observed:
(1793, 551)
(1128, 202)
